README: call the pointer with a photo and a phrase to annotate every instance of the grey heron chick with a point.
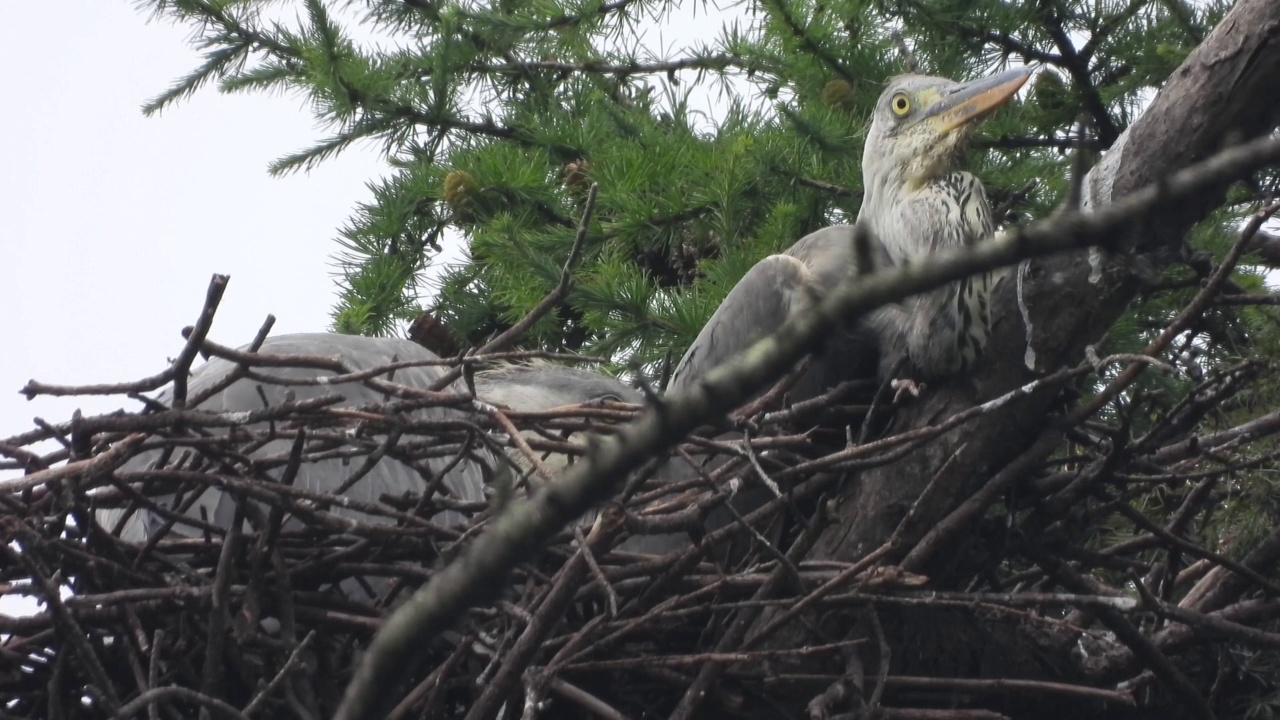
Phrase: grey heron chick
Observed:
(916, 201)
(390, 476)
(530, 388)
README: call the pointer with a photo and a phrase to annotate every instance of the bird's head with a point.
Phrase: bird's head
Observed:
(920, 124)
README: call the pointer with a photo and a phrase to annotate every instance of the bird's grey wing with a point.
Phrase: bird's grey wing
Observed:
(539, 387)
(389, 476)
(851, 351)
(771, 292)
(777, 288)
(532, 388)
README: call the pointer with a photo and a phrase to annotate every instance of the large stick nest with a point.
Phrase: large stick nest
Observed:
(739, 620)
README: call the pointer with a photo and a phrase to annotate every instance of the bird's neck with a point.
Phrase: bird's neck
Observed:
(886, 203)
(903, 187)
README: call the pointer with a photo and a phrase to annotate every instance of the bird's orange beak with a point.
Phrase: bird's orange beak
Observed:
(975, 100)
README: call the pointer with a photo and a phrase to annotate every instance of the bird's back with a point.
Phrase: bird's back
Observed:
(389, 476)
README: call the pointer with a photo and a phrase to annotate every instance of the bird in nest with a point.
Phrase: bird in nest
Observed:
(916, 202)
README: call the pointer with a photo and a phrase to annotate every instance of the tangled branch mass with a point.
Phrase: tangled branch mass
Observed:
(240, 560)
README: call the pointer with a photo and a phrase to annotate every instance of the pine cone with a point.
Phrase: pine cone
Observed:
(839, 93)
(577, 176)
(1053, 99)
(461, 193)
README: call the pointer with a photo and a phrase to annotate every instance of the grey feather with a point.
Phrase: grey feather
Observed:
(465, 482)
(775, 289)
(540, 387)
(520, 387)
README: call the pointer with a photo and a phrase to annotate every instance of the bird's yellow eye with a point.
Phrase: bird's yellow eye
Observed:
(900, 104)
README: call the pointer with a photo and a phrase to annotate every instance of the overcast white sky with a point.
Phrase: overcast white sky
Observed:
(111, 224)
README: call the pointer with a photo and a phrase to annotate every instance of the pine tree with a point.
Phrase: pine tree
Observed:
(495, 119)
